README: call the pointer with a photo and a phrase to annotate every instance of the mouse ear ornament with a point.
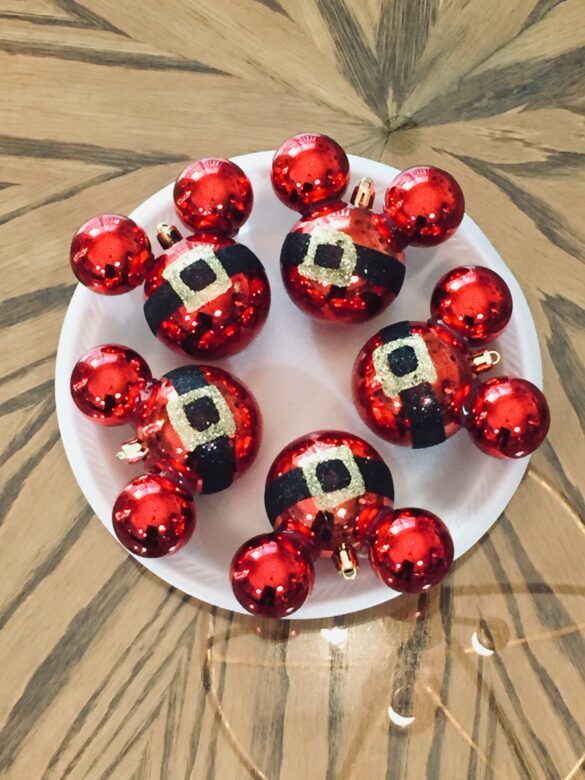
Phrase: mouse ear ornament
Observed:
(206, 294)
(330, 495)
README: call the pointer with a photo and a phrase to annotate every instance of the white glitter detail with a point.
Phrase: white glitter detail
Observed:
(425, 370)
(195, 299)
(326, 236)
(323, 500)
(192, 438)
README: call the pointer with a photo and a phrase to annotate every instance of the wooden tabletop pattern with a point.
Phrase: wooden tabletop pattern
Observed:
(105, 672)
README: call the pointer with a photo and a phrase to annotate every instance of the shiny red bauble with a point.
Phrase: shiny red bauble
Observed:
(110, 254)
(426, 204)
(206, 295)
(213, 194)
(473, 301)
(342, 263)
(410, 381)
(271, 575)
(153, 516)
(508, 418)
(309, 169)
(325, 489)
(200, 424)
(411, 549)
(106, 383)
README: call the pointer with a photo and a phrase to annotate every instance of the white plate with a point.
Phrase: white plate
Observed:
(299, 370)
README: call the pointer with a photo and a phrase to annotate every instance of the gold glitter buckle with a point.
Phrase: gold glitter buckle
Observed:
(330, 500)
(425, 370)
(195, 299)
(192, 438)
(341, 276)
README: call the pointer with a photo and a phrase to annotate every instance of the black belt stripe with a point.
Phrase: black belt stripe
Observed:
(426, 419)
(286, 491)
(164, 301)
(379, 268)
(215, 460)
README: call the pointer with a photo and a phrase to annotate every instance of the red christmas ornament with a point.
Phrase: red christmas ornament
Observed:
(411, 549)
(508, 418)
(473, 301)
(106, 383)
(410, 381)
(309, 169)
(325, 489)
(206, 295)
(198, 423)
(153, 516)
(426, 204)
(341, 262)
(110, 254)
(213, 195)
(271, 575)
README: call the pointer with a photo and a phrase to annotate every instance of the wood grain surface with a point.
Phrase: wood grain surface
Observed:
(105, 672)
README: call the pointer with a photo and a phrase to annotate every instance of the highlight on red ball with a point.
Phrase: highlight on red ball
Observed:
(110, 254)
(213, 194)
(426, 204)
(411, 549)
(107, 382)
(508, 417)
(153, 516)
(272, 575)
(473, 301)
(309, 169)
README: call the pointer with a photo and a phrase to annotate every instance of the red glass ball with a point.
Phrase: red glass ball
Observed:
(110, 254)
(308, 169)
(202, 424)
(196, 306)
(153, 516)
(342, 264)
(426, 204)
(411, 550)
(213, 194)
(473, 301)
(326, 489)
(508, 418)
(271, 575)
(410, 381)
(106, 383)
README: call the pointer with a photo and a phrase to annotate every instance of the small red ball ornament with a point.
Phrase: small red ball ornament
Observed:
(473, 301)
(271, 575)
(153, 516)
(508, 418)
(110, 254)
(410, 381)
(213, 194)
(200, 424)
(309, 169)
(106, 383)
(325, 489)
(411, 549)
(426, 204)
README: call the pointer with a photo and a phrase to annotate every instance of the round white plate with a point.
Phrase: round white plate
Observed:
(299, 371)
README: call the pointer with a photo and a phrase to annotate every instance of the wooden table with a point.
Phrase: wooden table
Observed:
(105, 671)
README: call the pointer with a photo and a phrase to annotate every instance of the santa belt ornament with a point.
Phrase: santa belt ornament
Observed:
(330, 477)
(203, 421)
(330, 256)
(196, 278)
(405, 369)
